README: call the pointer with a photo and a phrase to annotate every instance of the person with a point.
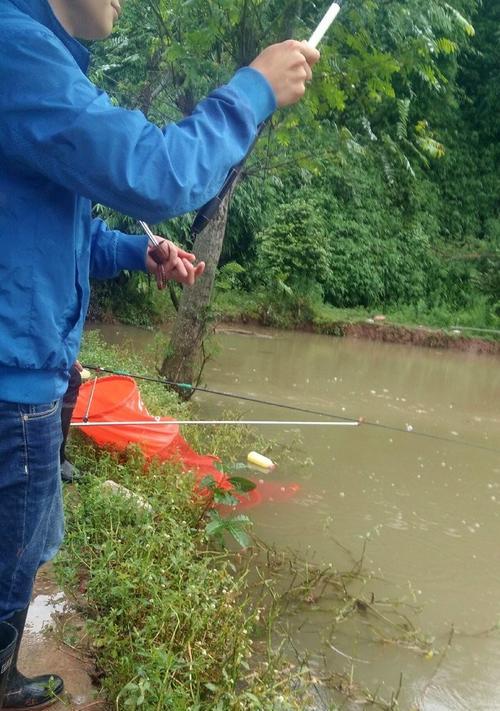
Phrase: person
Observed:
(64, 145)
(69, 473)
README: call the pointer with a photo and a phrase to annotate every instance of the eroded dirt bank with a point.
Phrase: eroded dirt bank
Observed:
(388, 333)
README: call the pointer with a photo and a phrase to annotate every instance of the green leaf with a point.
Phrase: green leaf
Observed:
(462, 21)
(242, 485)
(239, 535)
(208, 482)
(224, 498)
(446, 46)
(216, 525)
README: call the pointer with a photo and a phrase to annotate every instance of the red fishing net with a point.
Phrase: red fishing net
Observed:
(116, 401)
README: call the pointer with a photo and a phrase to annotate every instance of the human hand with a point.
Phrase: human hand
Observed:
(287, 68)
(167, 261)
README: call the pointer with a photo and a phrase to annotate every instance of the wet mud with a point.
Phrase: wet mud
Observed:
(50, 621)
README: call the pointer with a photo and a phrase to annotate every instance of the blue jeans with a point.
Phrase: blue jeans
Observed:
(31, 512)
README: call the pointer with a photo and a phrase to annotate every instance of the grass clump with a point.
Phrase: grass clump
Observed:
(168, 611)
(167, 615)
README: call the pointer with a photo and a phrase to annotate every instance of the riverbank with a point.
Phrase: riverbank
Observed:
(383, 331)
(475, 330)
(174, 620)
(364, 379)
(170, 617)
(478, 332)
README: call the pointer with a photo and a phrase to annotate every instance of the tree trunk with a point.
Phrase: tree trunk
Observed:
(184, 360)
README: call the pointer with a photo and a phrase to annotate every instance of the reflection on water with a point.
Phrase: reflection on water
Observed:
(41, 612)
(429, 509)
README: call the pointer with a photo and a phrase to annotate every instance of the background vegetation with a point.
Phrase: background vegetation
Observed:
(379, 192)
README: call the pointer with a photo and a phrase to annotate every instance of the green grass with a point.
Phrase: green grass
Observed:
(480, 315)
(170, 621)
(168, 610)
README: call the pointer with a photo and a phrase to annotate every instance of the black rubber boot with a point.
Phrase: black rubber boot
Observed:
(21, 692)
(8, 639)
(69, 474)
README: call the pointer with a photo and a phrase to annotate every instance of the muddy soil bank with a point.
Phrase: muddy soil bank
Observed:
(50, 619)
(385, 332)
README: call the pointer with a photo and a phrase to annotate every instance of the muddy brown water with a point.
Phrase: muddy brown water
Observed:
(428, 509)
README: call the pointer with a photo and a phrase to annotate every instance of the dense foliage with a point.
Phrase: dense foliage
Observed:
(378, 191)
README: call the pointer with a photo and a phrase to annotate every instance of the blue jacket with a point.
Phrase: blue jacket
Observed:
(64, 145)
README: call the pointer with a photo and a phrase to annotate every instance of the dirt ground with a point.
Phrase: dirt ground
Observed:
(50, 620)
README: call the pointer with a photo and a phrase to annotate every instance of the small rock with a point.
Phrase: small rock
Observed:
(117, 489)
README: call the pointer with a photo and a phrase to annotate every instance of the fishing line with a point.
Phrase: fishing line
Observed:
(294, 408)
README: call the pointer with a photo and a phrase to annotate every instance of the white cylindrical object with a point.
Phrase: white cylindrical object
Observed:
(323, 26)
(259, 460)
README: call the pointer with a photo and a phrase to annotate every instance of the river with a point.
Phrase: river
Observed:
(427, 509)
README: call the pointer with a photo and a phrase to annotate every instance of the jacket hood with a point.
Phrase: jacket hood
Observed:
(40, 11)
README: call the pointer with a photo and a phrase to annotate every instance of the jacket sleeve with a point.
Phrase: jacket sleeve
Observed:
(54, 121)
(112, 250)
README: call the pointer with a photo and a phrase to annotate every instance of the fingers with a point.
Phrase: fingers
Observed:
(181, 266)
(311, 55)
(167, 261)
(192, 273)
(185, 255)
(199, 269)
(185, 272)
(287, 67)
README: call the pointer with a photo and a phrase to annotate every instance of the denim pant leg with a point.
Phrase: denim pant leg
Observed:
(31, 517)
(68, 405)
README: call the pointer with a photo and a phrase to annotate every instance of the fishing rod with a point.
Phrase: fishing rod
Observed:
(208, 211)
(295, 408)
(156, 422)
(345, 422)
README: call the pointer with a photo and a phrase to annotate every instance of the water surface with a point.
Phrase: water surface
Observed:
(429, 509)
